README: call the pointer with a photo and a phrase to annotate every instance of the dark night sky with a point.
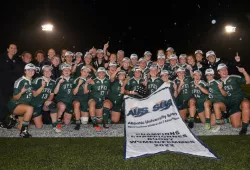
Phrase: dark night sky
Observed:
(128, 25)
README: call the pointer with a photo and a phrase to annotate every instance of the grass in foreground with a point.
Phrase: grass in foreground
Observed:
(107, 153)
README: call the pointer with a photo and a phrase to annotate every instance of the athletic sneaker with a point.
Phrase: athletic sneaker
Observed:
(97, 127)
(59, 126)
(216, 128)
(207, 126)
(25, 134)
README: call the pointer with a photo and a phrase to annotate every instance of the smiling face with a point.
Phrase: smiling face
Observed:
(223, 72)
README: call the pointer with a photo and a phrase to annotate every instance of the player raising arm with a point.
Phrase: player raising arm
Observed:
(238, 103)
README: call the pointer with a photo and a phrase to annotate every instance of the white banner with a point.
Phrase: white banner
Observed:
(154, 125)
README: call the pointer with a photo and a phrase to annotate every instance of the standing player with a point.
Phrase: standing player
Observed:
(199, 103)
(64, 96)
(80, 101)
(43, 94)
(19, 105)
(97, 94)
(238, 103)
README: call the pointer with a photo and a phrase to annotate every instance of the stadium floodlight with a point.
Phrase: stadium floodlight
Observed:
(230, 29)
(47, 27)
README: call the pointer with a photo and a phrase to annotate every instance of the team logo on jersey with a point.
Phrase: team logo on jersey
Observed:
(138, 112)
(98, 82)
(162, 105)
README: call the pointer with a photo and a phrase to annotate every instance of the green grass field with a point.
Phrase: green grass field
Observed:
(107, 153)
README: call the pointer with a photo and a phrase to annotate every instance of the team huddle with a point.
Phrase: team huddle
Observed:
(92, 86)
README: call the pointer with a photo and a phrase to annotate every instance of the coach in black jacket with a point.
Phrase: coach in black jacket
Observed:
(7, 67)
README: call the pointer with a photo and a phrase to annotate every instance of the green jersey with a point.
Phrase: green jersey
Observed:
(196, 91)
(232, 85)
(65, 93)
(99, 89)
(78, 70)
(154, 84)
(21, 83)
(44, 95)
(214, 93)
(185, 93)
(133, 84)
(115, 90)
(172, 71)
(80, 96)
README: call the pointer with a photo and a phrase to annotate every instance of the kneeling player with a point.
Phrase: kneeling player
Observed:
(64, 96)
(184, 92)
(43, 94)
(98, 92)
(217, 96)
(238, 103)
(153, 82)
(19, 105)
(171, 84)
(80, 101)
(199, 103)
(115, 98)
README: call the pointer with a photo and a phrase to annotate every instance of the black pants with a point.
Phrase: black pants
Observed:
(5, 94)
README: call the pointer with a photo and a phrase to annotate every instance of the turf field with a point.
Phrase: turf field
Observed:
(107, 153)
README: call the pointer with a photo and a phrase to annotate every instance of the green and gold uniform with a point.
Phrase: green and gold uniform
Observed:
(235, 94)
(172, 71)
(38, 101)
(185, 93)
(26, 97)
(80, 96)
(99, 91)
(65, 93)
(214, 93)
(133, 84)
(115, 95)
(199, 95)
(154, 84)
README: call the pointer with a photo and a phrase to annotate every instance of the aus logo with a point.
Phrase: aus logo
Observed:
(138, 112)
(162, 105)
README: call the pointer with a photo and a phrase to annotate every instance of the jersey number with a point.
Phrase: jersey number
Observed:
(44, 96)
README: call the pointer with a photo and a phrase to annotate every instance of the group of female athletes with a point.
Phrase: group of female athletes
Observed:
(92, 87)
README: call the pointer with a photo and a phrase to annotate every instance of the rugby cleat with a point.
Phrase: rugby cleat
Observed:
(243, 131)
(77, 127)
(105, 126)
(190, 124)
(25, 134)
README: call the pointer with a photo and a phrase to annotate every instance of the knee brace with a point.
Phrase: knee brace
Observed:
(52, 107)
(84, 120)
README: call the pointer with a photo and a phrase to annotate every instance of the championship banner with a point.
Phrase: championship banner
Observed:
(154, 125)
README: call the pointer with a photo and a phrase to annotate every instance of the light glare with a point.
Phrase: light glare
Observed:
(230, 29)
(47, 27)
